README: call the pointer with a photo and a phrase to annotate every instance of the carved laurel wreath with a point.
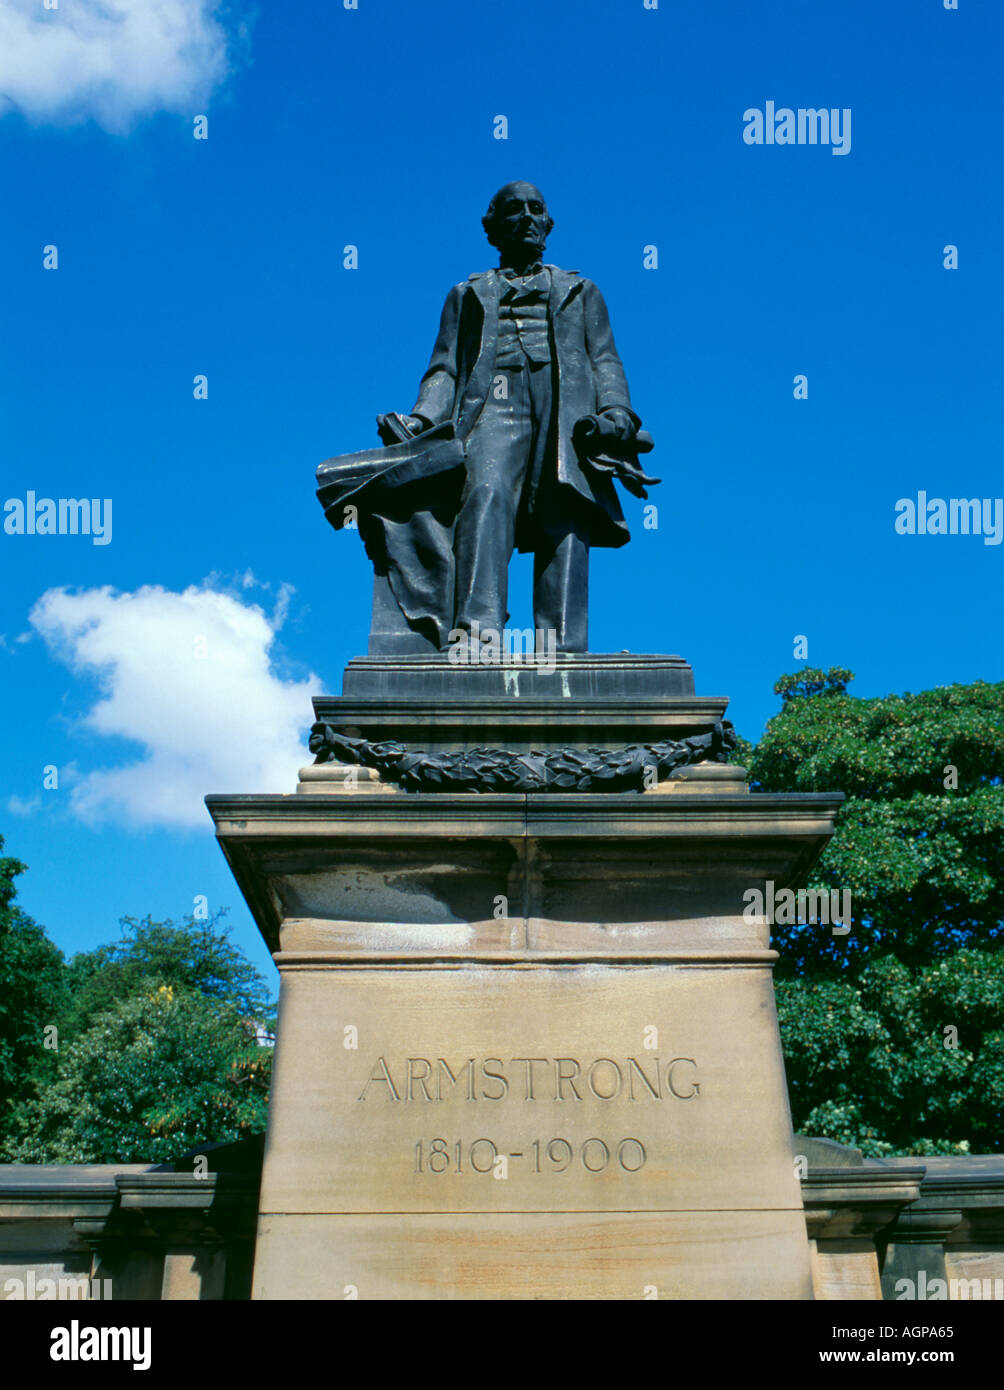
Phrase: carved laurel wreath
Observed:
(500, 770)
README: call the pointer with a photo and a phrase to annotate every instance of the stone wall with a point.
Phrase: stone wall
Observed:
(131, 1231)
(927, 1228)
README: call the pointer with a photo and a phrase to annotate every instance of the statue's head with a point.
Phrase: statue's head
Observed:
(517, 222)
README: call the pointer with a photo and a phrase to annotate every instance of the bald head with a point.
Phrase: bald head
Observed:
(517, 223)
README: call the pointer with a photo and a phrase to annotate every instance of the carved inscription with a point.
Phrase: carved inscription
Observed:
(527, 1080)
(543, 1156)
(426, 1079)
(644, 1080)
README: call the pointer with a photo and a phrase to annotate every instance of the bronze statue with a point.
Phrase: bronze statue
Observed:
(523, 420)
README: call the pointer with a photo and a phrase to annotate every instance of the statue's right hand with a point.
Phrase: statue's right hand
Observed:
(386, 426)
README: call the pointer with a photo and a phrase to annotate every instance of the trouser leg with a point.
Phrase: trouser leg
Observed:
(561, 591)
(498, 451)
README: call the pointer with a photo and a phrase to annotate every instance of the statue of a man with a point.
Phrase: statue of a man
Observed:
(525, 377)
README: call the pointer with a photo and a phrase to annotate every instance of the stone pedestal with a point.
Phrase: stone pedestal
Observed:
(527, 1045)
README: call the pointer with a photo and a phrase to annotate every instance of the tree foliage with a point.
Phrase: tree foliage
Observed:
(901, 1060)
(924, 861)
(894, 1034)
(812, 681)
(32, 992)
(155, 1047)
(193, 955)
(156, 1075)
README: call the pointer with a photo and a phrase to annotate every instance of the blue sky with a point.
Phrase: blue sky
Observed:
(374, 127)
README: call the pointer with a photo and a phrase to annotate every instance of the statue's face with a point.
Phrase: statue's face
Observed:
(522, 220)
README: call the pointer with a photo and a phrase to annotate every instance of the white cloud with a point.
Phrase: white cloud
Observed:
(112, 60)
(23, 806)
(219, 722)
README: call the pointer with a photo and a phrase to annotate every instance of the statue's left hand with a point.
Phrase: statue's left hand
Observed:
(621, 420)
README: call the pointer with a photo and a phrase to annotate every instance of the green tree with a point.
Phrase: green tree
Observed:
(156, 1075)
(193, 955)
(812, 681)
(894, 1034)
(32, 994)
(902, 1060)
(158, 1050)
(920, 842)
